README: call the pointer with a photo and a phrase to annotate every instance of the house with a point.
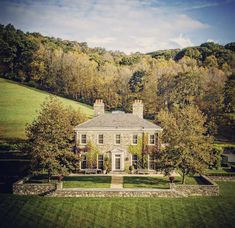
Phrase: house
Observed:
(116, 134)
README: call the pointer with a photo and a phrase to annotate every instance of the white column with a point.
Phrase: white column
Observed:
(122, 161)
(112, 161)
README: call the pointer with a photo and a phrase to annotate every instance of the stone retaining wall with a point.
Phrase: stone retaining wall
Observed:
(56, 190)
(115, 193)
(22, 188)
(222, 178)
(209, 189)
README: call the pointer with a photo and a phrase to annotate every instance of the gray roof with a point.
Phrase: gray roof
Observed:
(118, 121)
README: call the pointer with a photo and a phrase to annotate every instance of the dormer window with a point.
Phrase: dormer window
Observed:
(152, 139)
(83, 139)
(118, 139)
(101, 139)
(135, 139)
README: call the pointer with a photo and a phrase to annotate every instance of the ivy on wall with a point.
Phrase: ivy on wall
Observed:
(139, 150)
(92, 155)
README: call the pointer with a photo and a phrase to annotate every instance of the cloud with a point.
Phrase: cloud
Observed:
(182, 41)
(127, 26)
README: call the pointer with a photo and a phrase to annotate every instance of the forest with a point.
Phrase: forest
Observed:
(165, 80)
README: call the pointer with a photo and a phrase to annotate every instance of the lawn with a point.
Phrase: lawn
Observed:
(224, 170)
(35, 211)
(87, 182)
(156, 182)
(19, 104)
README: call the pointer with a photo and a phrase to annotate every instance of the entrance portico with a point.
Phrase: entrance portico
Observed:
(117, 158)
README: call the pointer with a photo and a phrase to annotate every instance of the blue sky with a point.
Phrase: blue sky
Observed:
(126, 25)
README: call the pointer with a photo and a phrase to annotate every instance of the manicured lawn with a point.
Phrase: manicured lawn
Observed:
(34, 211)
(156, 182)
(19, 104)
(194, 180)
(87, 182)
(224, 170)
(145, 182)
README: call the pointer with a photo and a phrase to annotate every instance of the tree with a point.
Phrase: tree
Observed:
(229, 94)
(136, 82)
(188, 147)
(211, 61)
(51, 138)
(180, 90)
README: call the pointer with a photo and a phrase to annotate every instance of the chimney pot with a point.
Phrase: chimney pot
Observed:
(98, 107)
(138, 108)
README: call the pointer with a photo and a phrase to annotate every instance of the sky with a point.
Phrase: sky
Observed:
(126, 25)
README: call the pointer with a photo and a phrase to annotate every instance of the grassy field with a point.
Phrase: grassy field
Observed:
(87, 182)
(19, 104)
(34, 211)
(156, 182)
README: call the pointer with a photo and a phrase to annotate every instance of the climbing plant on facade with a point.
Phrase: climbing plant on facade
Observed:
(91, 155)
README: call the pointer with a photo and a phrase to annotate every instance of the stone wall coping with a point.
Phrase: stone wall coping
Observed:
(40, 184)
(22, 181)
(114, 190)
(211, 182)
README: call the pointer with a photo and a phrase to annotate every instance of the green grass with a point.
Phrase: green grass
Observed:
(19, 104)
(34, 211)
(156, 182)
(224, 170)
(145, 182)
(87, 182)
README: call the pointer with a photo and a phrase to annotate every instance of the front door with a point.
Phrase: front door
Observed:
(117, 162)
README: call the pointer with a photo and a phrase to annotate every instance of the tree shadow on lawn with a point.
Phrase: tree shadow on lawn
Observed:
(190, 180)
(42, 179)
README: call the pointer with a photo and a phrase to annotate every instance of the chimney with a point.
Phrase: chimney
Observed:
(138, 108)
(98, 107)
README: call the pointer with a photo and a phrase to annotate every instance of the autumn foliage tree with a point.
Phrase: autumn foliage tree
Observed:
(51, 138)
(188, 147)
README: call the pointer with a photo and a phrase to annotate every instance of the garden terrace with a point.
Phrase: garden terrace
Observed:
(34, 211)
(87, 182)
(158, 182)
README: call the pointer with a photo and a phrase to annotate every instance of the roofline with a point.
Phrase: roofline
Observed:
(117, 129)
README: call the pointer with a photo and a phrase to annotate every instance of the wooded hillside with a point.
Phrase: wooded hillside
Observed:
(163, 79)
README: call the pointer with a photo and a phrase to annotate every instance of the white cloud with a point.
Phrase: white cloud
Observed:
(127, 26)
(182, 41)
(96, 41)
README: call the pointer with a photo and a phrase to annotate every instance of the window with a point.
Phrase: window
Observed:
(135, 139)
(118, 139)
(83, 139)
(134, 160)
(152, 139)
(84, 162)
(100, 161)
(100, 139)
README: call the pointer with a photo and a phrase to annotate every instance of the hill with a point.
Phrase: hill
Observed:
(19, 105)
(167, 79)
